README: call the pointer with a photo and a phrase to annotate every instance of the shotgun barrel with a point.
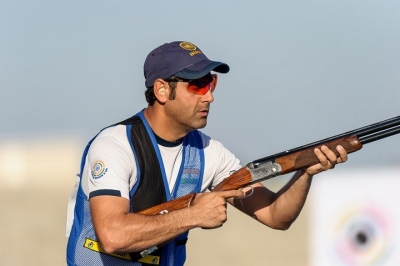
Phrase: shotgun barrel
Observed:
(365, 134)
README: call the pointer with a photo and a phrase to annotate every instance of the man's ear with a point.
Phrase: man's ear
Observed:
(161, 90)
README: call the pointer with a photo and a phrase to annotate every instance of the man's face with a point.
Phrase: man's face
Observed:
(189, 110)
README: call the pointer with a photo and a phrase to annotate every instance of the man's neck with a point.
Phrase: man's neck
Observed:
(161, 126)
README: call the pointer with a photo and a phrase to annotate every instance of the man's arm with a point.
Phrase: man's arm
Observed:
(118, 230)
(279, 210)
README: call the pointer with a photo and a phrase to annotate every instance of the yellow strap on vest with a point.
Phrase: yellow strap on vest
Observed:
(95, 246)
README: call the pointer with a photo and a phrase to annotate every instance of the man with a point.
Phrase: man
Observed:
(159, 155)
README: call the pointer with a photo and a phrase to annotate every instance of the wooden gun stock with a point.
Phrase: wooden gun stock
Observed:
(305, 158)
(177, 204)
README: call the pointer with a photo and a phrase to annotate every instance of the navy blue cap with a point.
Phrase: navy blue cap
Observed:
(181, 59)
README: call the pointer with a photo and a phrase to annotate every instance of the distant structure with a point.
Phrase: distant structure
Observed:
(39, 162)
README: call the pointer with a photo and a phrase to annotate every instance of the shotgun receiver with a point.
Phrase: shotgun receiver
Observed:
(286, 162)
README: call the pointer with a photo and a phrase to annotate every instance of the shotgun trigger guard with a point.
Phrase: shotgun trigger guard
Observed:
(264, 170)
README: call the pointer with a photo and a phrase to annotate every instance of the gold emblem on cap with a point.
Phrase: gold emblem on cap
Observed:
(188, 46)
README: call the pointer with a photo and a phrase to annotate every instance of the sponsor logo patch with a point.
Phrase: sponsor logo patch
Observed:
(188, 46)
(98, 169)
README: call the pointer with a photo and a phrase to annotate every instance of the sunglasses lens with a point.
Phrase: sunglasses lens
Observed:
(202, 86)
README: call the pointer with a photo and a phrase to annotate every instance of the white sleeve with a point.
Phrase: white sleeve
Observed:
(219, 162)
(111, 169)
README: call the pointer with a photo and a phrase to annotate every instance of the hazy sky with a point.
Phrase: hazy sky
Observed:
(300, 70)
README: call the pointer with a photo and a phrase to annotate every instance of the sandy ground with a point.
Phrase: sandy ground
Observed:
(33, 225)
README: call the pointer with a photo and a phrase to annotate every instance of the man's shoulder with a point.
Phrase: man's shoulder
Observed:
(109, 135)
(113, 131)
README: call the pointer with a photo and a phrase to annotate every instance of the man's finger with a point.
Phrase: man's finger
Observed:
(342, 154)
(230, 193)
(322, 157)
(329, 154)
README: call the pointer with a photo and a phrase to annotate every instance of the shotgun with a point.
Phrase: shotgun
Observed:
(285, 162)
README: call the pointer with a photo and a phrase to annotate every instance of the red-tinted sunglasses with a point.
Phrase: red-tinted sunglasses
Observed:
(199, 86)
(202, 85)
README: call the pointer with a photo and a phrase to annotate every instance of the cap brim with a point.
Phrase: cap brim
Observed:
(201, 69)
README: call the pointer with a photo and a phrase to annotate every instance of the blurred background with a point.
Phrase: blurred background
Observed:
(300, 72)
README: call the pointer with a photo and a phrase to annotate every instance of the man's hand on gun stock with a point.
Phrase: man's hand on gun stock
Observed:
(209, 209)
(327, 159)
